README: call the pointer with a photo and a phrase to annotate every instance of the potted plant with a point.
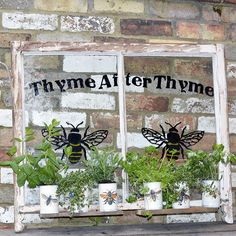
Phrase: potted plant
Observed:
(74, 190)
(204, 166)
(148, 176)
(101, 167)
(179, 188)
(41, 168)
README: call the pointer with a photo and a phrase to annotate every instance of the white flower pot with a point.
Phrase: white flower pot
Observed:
(153, 199)
(107, 197)
(48, 199)
(183, 199)
(211, 200)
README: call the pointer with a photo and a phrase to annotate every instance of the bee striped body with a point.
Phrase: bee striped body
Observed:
(76, 141)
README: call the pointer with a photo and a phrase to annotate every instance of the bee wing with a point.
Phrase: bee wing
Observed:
(153, 136)
(192, 138)
(103, 195)
(95, 138)
(114, 195)
(58, 141)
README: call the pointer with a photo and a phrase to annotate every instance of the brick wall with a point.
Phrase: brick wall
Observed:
(137, 21)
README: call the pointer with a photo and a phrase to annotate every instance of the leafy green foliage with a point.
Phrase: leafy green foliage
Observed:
(102, 165)
(73, 186)
(204, 165)
(148, 215)
(41, 168)
(147, 167)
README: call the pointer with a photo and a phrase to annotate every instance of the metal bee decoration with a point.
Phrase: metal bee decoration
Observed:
(75, 140)
(109, 197)
(173, 142)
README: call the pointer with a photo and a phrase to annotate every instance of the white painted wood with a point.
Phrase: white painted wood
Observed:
(18, 125)
(121, 50)
(222, 130)
(52, 47)
(123, 121)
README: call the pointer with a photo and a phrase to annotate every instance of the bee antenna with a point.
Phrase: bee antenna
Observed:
(79, 124)
(169, 124)
(177, 124)
(70, 124)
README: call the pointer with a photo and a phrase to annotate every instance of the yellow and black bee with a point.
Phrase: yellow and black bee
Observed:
(76, 141)
(110, 197)
(173, 143)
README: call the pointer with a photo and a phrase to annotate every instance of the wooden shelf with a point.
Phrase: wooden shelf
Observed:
(67, 214)
(192, 210)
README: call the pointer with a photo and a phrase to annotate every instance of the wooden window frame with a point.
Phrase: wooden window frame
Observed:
(213, 51)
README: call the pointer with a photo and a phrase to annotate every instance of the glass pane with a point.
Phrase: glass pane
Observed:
(81, 92)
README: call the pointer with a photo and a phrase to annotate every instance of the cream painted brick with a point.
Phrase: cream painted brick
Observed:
(160, 120)
(101, 24)
(38, 118)
(6, 175)
(98, 79)
(193, 105)
(61, 5)
(29, 21)
(91, 64)
(7, 214)
(31, 196)
(34, 219)
(134, 140)
(205, 217)
(233, 179)
(67, 37)
(6, 117)
(88, 101)
(119, 6)
(231, 70)
(207, 124)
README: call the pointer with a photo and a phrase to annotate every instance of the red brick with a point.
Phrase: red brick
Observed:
(201, 68)
(188, 30)
(6, 135)
(209, 14)
(213, 32)
(146, 27)
(232, 141)
(108, 39)
(146, 103)
(4, 156)
(147, 65)
(231, 88)
(205, 143)
(5, 38)
(109, 121)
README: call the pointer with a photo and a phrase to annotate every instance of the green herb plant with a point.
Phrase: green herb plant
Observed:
(204, 166)
(146, 167)
(102, 165)
(42, 167)
(73, 186)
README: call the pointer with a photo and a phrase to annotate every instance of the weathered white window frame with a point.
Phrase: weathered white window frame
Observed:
(213, 51)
